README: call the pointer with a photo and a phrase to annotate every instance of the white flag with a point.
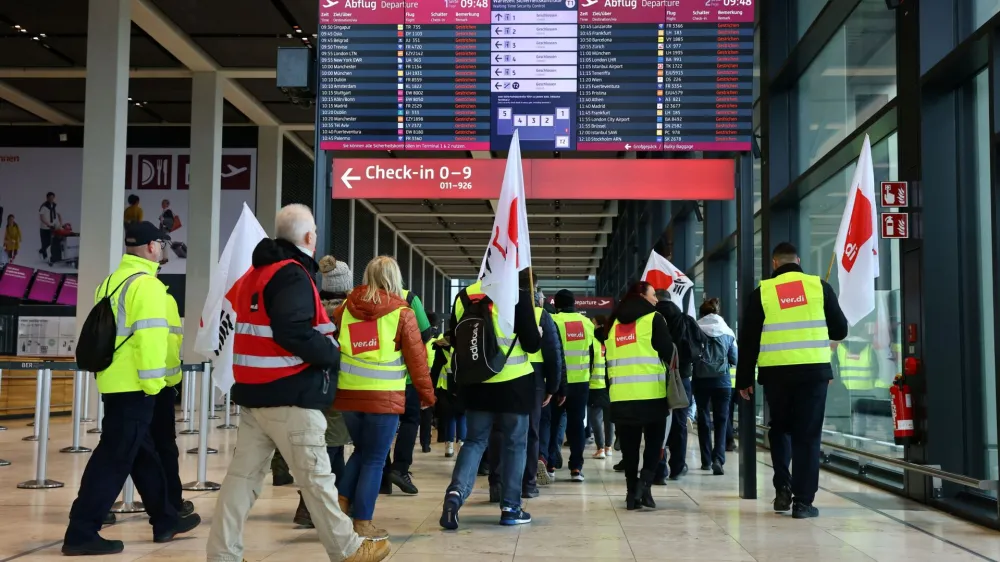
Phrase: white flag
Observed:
(856, 250)
(509, 251)
(663, 275)
(218, 319)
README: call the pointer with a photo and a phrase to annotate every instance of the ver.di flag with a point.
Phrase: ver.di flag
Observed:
(218, 319)
(509, 251)
(856, 250)
(665, 276)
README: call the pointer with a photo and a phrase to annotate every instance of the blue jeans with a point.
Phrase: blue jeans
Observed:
(372, 436)
(712, 430)
(454, 428)
(515, 441)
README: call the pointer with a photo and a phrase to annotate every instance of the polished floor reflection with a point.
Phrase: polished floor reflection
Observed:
(700, 518)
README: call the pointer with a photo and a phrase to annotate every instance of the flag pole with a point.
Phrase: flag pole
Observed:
(829, 270)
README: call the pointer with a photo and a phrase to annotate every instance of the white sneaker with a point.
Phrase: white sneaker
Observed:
(552, 476)
(599, 455)
(449, 450)
(542, 475)
(576, 476)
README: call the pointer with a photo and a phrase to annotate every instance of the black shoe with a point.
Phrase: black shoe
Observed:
(804, 511)
(706, 466)
(404, 481)
(681, 472)
(514, 516)
(109, 519)
(620, 467)
(730, 446)
(449, 513)
(96, 547)
(425, 448)
(559, 460)
(496, 493)
(783, 499)
(183, 526)
(187, 508)
(386, 488)
(633, 496)
(529, 493)
(646, 499)
(661, 481)
(484, 469)
(281, 478)
(717, 469)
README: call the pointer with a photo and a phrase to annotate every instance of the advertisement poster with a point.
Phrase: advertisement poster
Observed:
(40, 196)
(67, 295)
(44, 287)
(41, 336)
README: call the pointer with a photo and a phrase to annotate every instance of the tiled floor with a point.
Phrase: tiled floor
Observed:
(700, 519)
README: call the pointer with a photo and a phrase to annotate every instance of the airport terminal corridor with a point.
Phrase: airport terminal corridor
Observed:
(699, 518)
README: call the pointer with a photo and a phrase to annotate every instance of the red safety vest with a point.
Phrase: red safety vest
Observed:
(257, 359)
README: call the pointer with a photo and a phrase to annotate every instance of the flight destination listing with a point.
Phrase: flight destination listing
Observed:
(608, 75)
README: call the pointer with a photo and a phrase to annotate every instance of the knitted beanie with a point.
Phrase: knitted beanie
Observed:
(336, 275)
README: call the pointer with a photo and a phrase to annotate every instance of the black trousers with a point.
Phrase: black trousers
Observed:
(577, 396)
(797, 412)
(164, 435)
(677, 441)
(496, 447)
(126, 447)
(713, 422)
(630, 438)
(45, 235)
(426, 425)
(406, 438)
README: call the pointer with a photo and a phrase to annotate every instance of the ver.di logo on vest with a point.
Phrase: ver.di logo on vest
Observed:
(364, 337)
(624, 334)
(574, 331)
(791, 295)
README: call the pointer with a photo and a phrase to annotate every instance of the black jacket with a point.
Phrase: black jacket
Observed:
(289, 302)
(551, 373)
(511, 397)
(638, 412)
(752, 324)
(686, 333)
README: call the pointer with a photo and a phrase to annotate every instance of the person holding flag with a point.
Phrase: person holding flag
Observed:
(496, 310)
(285, 364)
(786, 330)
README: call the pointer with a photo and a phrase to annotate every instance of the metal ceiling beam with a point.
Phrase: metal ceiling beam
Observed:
(183, 48)
(452, 245)
(607, 230)
(395, 229)
(491, 215)
(35, 106)
(165, 73)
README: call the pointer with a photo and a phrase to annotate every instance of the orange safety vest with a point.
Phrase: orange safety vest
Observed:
(257, 359)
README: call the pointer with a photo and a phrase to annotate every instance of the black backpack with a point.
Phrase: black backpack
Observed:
(476, 353)
(714, 360)
(95, 349)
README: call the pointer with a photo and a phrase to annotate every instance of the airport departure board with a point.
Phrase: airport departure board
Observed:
(601, 75)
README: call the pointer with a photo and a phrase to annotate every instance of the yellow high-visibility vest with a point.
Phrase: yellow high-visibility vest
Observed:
(369, 359)
(536, 357)
(577, 334)
(174, 343)
(857, 372)
(795, 330)
(635, 371)
(598, 374)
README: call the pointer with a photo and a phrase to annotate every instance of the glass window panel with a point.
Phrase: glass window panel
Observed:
(699, 285)
(699, 234)
(852, 78)
(858, 412)
(805, 14)
(757, 180)
(982, 11)
(756, 63)
(984, 263)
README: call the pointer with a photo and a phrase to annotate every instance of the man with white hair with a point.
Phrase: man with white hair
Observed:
(285, 362)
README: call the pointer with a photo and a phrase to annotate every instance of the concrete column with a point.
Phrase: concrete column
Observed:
(270, 154)
(105, 119)
(204, 200)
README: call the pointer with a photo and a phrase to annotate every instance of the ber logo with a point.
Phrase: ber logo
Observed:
(364, 337)
(574, 331)
(624, 334)
(791, 295)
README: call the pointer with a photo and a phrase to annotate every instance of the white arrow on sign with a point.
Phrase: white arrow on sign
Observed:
(628, 146)
(347, 178)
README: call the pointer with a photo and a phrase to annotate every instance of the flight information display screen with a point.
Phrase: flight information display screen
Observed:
(601, 75)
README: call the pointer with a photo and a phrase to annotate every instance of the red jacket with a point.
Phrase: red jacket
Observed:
(407, 341)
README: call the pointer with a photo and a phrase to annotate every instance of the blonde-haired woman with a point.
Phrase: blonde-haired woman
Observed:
(379, 343)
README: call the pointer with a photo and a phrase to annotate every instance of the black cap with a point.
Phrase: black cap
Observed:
(564, 299)
(142, 233)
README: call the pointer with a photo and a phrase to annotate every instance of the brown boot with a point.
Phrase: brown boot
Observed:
(345, 504)
(302, 517)
(371, 551)
(368, 530)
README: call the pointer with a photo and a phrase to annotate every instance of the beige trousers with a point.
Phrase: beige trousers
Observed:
(300, 436)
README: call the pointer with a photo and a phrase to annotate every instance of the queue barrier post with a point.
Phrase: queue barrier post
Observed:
(38, 406)
(85, 418)
(128, 503)
(99, 428)
(227, 421)
(42, 426)
(78, 398)
(202, 483)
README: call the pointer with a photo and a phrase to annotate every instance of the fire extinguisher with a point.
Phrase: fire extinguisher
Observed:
(902, 411)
